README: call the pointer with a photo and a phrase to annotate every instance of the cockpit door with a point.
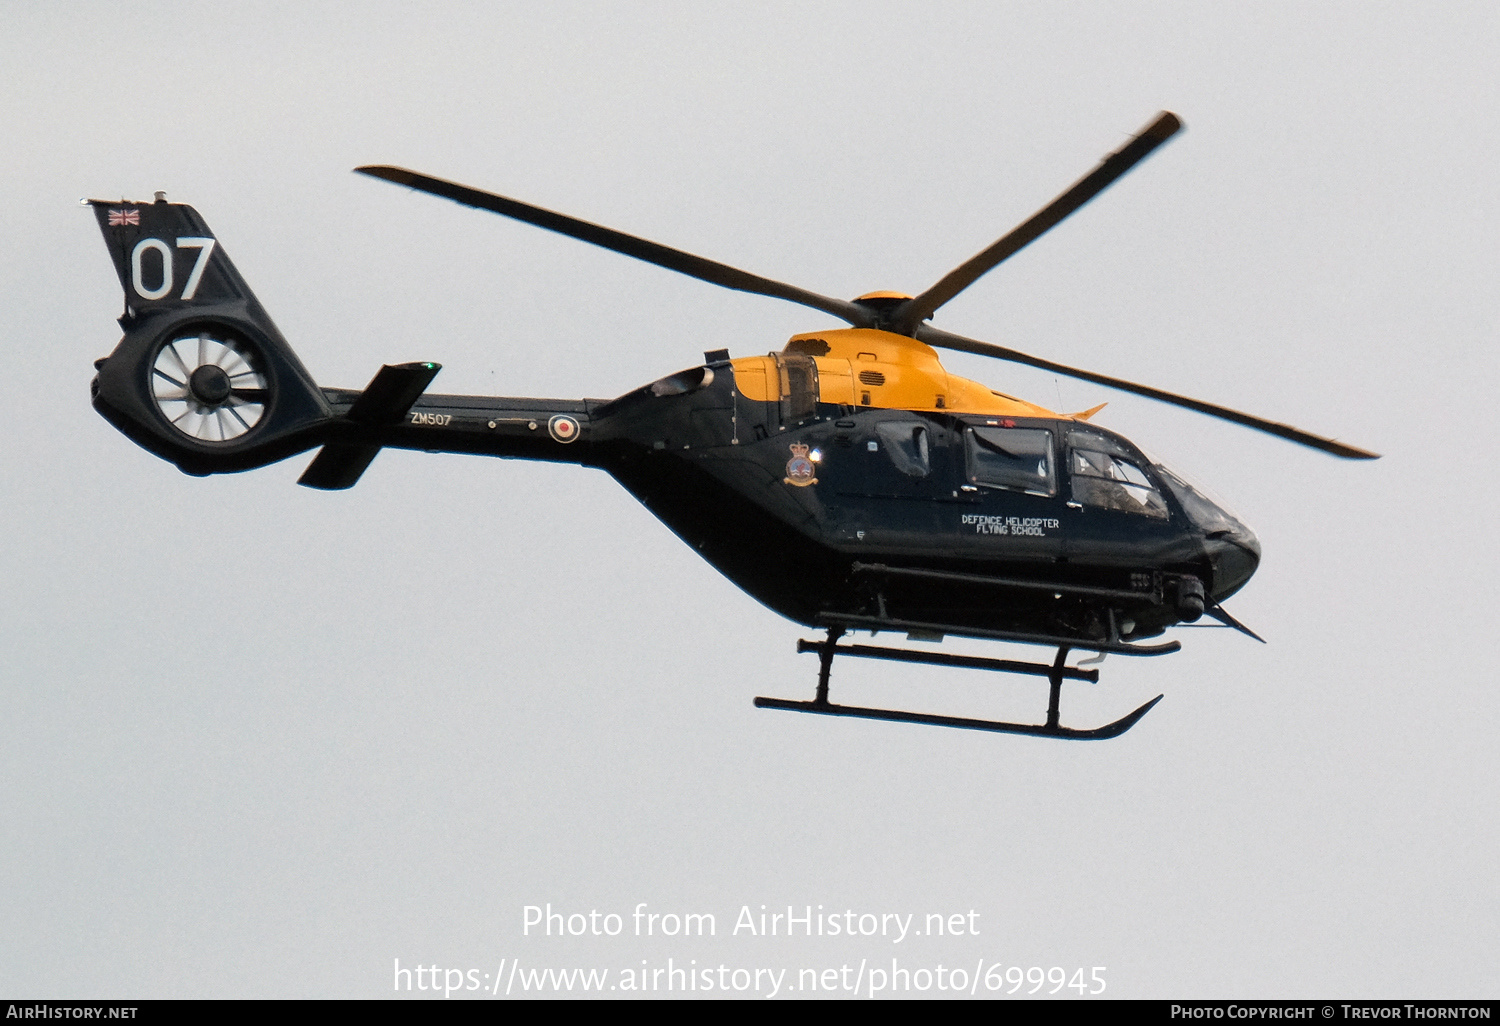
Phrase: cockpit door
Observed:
(1115, 513)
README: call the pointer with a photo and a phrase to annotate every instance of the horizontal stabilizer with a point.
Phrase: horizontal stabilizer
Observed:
(338, 466)
(392, 391)
(385, 400)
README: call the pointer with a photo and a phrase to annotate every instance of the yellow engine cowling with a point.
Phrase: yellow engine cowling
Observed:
(866, 367)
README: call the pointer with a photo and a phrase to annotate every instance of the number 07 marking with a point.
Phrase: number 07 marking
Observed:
(204, 246)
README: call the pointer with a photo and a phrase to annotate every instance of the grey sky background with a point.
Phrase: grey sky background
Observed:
(261, 741)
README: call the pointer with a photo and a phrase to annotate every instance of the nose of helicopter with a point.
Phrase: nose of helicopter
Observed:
(1234, 554)
(1232, 548)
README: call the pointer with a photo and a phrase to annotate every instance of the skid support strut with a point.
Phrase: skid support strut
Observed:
(1056, 673)
(826, 651)
(1055, 694)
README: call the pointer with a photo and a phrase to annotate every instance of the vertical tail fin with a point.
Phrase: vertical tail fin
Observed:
(202, 378)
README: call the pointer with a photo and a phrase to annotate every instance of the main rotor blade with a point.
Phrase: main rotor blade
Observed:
(946, 340)
(642, 249)
(914, 311)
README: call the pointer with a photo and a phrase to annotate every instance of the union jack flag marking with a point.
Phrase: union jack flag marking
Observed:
(119, 218)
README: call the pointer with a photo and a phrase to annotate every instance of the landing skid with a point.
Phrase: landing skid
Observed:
(1056, 673)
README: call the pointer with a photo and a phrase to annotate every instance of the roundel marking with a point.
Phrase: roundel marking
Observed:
(563, 428)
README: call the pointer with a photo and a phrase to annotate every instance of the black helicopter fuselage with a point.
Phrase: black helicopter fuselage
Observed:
(846, 481)
(842, 513)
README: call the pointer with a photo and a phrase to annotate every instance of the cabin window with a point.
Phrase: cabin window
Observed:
(1110, 481)
(906, 444)
(1204, 512)
(1019, 459)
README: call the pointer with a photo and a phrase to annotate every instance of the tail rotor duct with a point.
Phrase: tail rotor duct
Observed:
(209, 385)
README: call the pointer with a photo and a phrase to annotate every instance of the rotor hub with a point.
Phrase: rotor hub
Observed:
(883, 305)
(210, 385)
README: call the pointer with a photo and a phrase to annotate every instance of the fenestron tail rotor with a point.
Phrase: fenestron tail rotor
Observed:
(207, 385)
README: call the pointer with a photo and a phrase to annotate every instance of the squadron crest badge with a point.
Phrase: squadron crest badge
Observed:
(800, 470)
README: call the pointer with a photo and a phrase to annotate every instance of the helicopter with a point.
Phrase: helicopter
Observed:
(847, 481)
